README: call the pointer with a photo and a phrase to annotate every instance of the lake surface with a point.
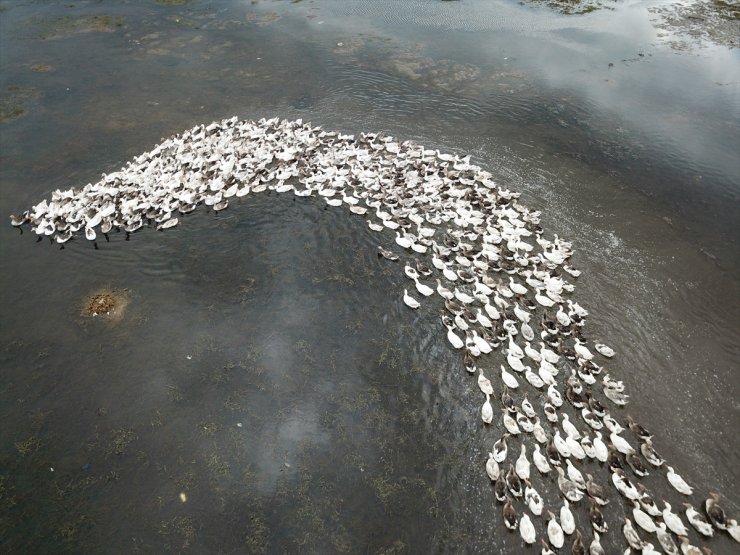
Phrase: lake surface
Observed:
(265, 365)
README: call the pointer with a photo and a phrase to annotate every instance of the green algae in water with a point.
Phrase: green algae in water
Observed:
(12, 102)
(61, 27)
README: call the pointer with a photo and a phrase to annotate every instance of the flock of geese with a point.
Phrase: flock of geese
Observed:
(503, 285)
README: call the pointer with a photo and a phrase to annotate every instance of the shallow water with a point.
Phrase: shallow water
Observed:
(359, 427)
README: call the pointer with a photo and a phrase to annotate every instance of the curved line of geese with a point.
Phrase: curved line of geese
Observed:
(504, 287)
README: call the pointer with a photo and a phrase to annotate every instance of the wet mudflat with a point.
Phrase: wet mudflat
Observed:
(266, 390)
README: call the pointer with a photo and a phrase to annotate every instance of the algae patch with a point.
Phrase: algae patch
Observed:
(106, 303)
(62, 27)
(12, 102)
(683, 27)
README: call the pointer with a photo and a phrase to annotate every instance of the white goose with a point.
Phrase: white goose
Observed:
(423, 289)
(642, 519)
(508, 378)
(555, 532)
(526, 529)
(454, 339)
(678, 483)
(522, 464)
(409, 300)
(567, 521)
(540, 462)
(487, 410)
(492, 468)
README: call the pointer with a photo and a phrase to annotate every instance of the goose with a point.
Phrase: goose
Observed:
(412, 302)
(460, 322)
(588, 447)
(570, 490)
(507, 401)
(642, 519)
(500, 449)
(602, 453)
(411, 272)
(517, 288)
(403, 242)
(545, 301)
(596, 491)
(487, 410)
(463, 297)
(687, 548)
(578, 548)
(595, 548)
(733, 528)
(453, 338)
(508, 378)
(443, 291)
(533, 499)
(562, 318)
(483, 319)
(514, 349)
(491, 311)
(540, 462)
(597, 518)
(510, 424)
(621, 444)
(449, 274)
(546, 550)
(554, 396)
(650, 455)
(697, 521)
(611, 424)
(666, 540)
(526, 529)
(511, 519)
(423, 289)
(513, 483)
(575, 475)
(715, 512)
(499, 488)
(649, 549)
(619, 399)
(561, 445)
(492, 468)
(533, 378)
(521, 314)
(678, 483)
(483, 345)
(388, 255)
(630, 534)
(569, 428)
(484, 384)
(638, 430)
(528, 408)
(524, 422)
(554, 531)
(624, 486)
(522, 464)
(591, 419)
(582, 351)
(538, 431)
(605, 350)
(647, 503)
(532, 353)
(515, 362)
(550, 356)
(636, 465)
(615, 385)
(567, 521)
(550, 413)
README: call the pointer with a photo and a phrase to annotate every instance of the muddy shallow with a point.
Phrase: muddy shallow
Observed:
(265, 366)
